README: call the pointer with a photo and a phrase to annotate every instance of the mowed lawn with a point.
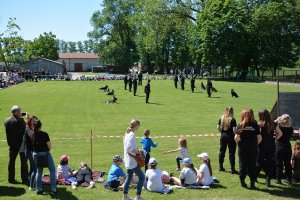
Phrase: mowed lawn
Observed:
(70, 110)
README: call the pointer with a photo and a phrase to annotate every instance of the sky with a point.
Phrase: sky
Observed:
(67, 19)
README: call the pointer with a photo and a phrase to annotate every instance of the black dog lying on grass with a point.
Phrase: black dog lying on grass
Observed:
(234, 94)
(214, 89)
(112, 101)
(111, 93)
(105, 88)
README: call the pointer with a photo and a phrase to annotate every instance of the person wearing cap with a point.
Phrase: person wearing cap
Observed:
(114, 174)
(154, 178)
(205, 172)
(15, 128)
(188, 175)
(283, 152)
(147, 143)
(64, 171)
(147, 91)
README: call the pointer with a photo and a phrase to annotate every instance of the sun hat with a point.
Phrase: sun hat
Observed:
(152, 161)
(187, 161)
(64, 158)
(15, 108)
(204, 156)
(117, 158)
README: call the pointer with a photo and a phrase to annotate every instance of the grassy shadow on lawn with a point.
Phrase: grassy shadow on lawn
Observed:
(288, 192)
(11, 191)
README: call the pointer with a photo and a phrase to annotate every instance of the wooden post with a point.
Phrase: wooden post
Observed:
(91, 149)
(278, 111)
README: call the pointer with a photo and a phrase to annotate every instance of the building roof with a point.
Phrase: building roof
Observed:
(45, 59)
(78, 56)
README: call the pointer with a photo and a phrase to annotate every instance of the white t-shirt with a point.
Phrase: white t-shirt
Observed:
(189, 176)
(154, 183)
(63, 171)
(207, 179)
(184, 153)
(129, 146)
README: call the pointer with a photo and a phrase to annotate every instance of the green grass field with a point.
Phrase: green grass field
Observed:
(73, 109)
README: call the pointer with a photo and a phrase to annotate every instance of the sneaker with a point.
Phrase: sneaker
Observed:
(31, 189)
(92, 184)
(73, 185)
(40, 192)
(53, 193)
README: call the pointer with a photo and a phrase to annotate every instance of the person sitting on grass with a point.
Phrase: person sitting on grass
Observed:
(147, 144)
(184, 153)
(64, 171)
(188, 175)
(115, 172)
(84, 174)
(296, 161)
(154, 178)
(205, 172)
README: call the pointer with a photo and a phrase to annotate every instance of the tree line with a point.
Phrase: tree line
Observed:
(229, 34)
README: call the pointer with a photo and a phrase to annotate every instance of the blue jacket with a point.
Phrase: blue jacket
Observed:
(147, 144)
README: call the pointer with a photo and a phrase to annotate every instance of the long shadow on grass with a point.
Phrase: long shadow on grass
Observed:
(284, 191)
(11, 191)
(159, 104)
(63, 193)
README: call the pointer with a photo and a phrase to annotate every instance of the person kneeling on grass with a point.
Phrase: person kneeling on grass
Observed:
(64, 171)
(205, 172)
(115, 172)
(188, 175)
(84, 174)
(154, 178)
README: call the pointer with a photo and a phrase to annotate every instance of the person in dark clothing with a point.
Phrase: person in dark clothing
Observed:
(15, 129)
(193, 84)
(147, 91)
(140, 77)
(84, 174)
(130, 83)
(182, 79)
(248, 137)
(209, 87)
(283, 151)
(125, 82)
(135, 84)
(227, 127)
(266, 148)
(175, 81)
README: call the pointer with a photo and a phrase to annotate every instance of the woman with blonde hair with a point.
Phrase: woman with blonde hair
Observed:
(130, 152)
(249, 137)
(227, 127)
(283, 151)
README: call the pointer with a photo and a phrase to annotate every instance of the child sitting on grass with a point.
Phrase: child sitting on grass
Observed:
(115, 172)
(184, 153)
(188, 175)
(154, 178)
(84, 174)
(147, 144)
(64, 171)
(296, 161)
(205, 172)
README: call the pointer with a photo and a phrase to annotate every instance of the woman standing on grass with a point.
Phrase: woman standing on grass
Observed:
(266, 148)
(247, 137)
(227, 127)
(130, 152)
(41, 154)
(283, 151)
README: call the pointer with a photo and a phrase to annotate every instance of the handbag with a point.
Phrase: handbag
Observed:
(140, 159)
(42, 161)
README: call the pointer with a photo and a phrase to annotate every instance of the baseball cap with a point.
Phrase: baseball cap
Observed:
(64, 158)
(15, 108)
(204, 156)
(117, 158)
(187, 160)
(152, 161)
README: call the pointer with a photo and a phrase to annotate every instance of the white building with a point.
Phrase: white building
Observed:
(79, 62)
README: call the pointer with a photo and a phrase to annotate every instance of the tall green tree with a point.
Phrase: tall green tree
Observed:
(72, 47)
(44, 46)
(80, 47)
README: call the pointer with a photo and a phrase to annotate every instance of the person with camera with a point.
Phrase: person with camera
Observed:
(43, 158)
(15, 129)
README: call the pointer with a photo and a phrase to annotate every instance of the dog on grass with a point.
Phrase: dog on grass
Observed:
(111, 93)
(112, 101)
(234, 94)
(105, 88)
(214, 89)
(203, 86)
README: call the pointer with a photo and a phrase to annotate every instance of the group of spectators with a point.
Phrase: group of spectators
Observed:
(10, 78)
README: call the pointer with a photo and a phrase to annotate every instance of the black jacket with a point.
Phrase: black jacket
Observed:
(147, 88)
(15, 129)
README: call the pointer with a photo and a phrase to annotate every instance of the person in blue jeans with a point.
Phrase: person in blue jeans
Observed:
(147, 144)
(41, 148)
(130, 152)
